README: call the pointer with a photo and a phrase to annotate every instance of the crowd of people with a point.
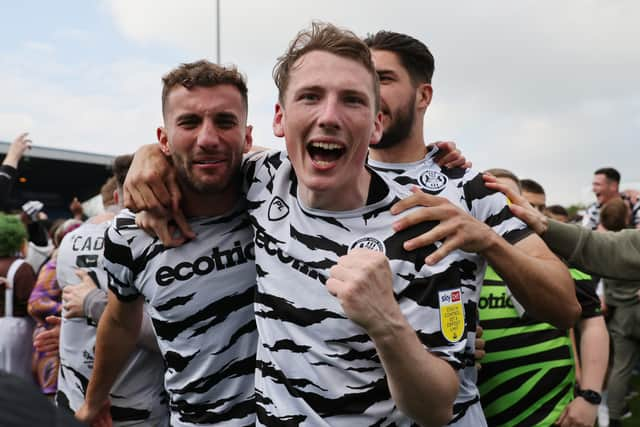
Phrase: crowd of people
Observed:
(361, 277)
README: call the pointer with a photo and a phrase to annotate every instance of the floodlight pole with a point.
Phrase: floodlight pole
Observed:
(218, 31)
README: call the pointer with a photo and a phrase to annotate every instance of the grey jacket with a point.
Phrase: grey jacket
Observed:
(615, 255)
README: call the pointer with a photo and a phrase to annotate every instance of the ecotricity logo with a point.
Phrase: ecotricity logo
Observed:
(370, 243)
(433, 180)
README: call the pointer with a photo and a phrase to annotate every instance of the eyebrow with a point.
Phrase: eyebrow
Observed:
(187, 116)
(383, 72)
(354, 92)
(317, 88)
(226, 115)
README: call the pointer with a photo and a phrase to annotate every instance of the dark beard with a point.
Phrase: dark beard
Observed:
(399, 129)
(187, 181)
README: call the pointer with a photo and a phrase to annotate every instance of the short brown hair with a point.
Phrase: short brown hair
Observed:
(531, 186)
(614, 215)
(203, 73)
(120, 167)
(611, 174)
(329, 38)
(413, 54)
(106, 191)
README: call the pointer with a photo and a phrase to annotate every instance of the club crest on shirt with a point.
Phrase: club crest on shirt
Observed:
(451, 314)
(278, 209)
(370, 243)
(432, 180)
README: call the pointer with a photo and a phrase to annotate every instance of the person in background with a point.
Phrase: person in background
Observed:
(557, 212)
(544, 393)
(606, 187)
(623, 305)
(9, 167)
(17, 282)
(46, 301)
(138, 396)
(609, 254)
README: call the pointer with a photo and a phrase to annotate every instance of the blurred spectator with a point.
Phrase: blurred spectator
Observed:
(107, 191)
(615, 215)
(39, 244)
(138, 394)
(557, 212)
(606, 187)
(77, 212)
(624, 319)
(9, 167)
(46, 300)
(16, 326)
(610, 254)
(534, 193)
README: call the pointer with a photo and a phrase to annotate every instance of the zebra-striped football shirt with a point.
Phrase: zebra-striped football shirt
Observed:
(317, 367)
(138, 396)
(200, 298)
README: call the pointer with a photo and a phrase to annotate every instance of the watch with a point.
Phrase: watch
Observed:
(590, 396)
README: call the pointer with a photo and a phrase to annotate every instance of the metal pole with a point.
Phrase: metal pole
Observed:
(218, 31)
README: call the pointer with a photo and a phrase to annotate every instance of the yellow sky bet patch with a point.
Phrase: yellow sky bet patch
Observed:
(451, 314)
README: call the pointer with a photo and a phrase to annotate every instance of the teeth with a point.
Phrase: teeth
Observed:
(326, 145)
(322, 163)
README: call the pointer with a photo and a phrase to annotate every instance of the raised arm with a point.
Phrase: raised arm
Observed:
(608, 254)
(8, 169)
(538, 280)
(362, 282)
(18, 147)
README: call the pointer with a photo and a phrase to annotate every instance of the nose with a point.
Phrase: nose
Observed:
(208, 135)
(329, 118)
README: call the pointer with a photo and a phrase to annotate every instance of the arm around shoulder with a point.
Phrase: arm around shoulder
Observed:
(614, 255)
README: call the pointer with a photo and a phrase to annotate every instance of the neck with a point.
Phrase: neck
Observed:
(344, 199)
(411, 149)
(103, 217)
(195, 204)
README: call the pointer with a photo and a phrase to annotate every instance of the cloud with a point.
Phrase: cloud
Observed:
(117, 116)
(185, 24)
(547, 89)
(39, 47)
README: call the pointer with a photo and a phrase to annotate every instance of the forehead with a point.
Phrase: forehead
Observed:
(386, 60)
(600, 178)
(534, 198)
(205, 99)
(331, 72)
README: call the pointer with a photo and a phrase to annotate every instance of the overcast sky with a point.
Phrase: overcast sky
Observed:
(547, 89)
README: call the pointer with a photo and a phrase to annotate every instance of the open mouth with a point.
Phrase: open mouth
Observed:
(324, 154)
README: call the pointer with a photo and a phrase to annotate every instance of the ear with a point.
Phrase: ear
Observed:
(163, 140)
(248, 139)
(116, 198)
(424, 93)
(278, 121)
(377, 129)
